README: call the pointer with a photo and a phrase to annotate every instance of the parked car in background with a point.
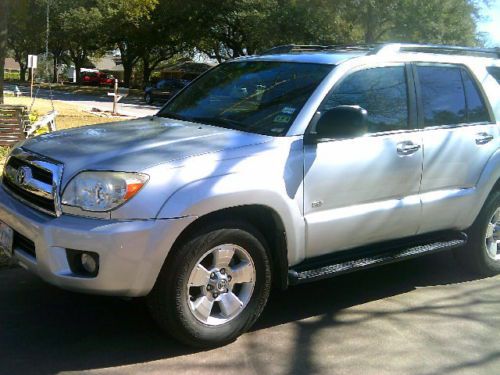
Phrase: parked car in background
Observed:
(97, 79)
(163, 90)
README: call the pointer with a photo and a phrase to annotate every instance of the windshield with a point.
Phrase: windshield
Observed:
(255, 96)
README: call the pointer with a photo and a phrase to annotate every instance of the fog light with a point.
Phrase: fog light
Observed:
(89, 264)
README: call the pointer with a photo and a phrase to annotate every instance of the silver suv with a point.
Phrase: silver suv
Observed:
(303, 163)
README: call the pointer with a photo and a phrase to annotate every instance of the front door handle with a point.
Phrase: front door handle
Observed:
(407, 148)
(483, 138)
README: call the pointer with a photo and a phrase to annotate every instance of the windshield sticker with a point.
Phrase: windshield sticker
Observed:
(288, 110)
(282, 119)
(277, 130)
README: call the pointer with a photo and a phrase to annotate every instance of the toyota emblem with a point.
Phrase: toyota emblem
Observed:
(21, 175)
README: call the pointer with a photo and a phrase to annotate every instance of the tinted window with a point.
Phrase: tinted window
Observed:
(256, 96)
(476, 110)
(381, 91)
(442, 94)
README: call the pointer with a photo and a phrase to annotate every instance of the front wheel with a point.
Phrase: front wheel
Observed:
(482, 253)
(214, 287)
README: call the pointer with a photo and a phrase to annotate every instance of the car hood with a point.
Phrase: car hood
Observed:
(136, 145)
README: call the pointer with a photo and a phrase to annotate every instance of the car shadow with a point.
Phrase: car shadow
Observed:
(46, 330)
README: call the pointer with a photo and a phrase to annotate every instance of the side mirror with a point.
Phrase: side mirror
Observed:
(344, 121)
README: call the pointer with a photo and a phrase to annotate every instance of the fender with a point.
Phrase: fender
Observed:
(215, 193)
(490, 176)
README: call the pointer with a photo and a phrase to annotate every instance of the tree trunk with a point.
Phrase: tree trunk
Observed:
(3, 43)
(22, 71)
(54, 76)
(370, 25)
(147, 69)
(78, 69)
(127, 73)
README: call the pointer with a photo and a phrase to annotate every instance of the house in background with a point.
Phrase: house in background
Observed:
(12, 68)
(109, 63)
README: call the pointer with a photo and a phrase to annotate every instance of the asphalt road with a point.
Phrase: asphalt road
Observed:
(132, 107)
(423, 316)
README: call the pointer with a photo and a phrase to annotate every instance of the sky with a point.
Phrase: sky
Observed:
(490, 24)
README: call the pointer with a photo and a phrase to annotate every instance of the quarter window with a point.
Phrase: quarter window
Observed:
(381, 91)
(476, 110)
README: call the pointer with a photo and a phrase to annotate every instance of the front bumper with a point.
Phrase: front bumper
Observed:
(131, 253)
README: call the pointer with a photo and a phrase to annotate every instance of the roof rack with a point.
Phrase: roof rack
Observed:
(290, 48)
(435, 48)
(381, 48)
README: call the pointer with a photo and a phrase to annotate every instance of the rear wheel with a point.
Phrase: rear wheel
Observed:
(482, 253)
(214, 287)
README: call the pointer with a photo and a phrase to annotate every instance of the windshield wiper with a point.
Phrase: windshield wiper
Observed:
(221, 122)
(174, 116)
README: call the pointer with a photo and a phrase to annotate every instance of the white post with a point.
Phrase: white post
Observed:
(115, 97)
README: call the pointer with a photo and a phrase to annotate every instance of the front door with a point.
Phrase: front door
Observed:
(365, 189)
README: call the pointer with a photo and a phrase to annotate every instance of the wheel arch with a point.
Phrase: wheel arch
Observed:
(263, 218)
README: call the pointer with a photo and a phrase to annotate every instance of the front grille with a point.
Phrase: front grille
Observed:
(33, 179)
(24, 244)
(38, 173)
(44, 203)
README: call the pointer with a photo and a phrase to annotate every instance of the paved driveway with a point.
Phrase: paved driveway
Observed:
(419, 317)
(133, 107)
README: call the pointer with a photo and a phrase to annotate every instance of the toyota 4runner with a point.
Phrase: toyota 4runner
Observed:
(303, 163)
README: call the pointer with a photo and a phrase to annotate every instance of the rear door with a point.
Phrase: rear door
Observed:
(459, 137)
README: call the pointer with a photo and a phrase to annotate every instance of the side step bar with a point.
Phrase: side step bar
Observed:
(313, 272)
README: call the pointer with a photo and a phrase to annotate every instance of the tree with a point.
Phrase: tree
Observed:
(26, 22)
(432, 21)
(125, 25)
(82, 24)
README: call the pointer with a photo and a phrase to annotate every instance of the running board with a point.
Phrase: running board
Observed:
(308, 273)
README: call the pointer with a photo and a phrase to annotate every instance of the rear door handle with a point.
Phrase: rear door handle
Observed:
(483, 138)
(407, 148)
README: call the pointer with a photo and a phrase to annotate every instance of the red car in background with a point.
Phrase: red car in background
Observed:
(97, 79)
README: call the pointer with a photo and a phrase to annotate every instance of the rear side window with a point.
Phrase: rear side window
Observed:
(442, 94)
(381, 91)
(476, 110)
(450, 96)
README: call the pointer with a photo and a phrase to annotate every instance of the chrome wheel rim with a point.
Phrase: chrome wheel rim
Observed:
(492, 237)
(221, 284)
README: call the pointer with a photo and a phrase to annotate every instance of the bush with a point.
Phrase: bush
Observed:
(11, 76)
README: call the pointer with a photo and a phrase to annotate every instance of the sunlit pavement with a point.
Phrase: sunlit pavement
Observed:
(423, 316)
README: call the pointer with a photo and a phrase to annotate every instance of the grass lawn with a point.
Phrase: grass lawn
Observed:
(69, 116)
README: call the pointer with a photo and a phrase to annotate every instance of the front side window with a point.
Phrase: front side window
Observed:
(382, 92)
(255, 96)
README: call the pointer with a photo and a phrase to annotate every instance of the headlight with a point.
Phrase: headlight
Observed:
(102, 191)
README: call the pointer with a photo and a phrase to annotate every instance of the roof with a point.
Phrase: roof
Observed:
(337, 54)
(11, 64)
(107, 63)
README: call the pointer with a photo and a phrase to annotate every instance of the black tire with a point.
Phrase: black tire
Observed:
(148, 98)
(474, 256)
(168, 302)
